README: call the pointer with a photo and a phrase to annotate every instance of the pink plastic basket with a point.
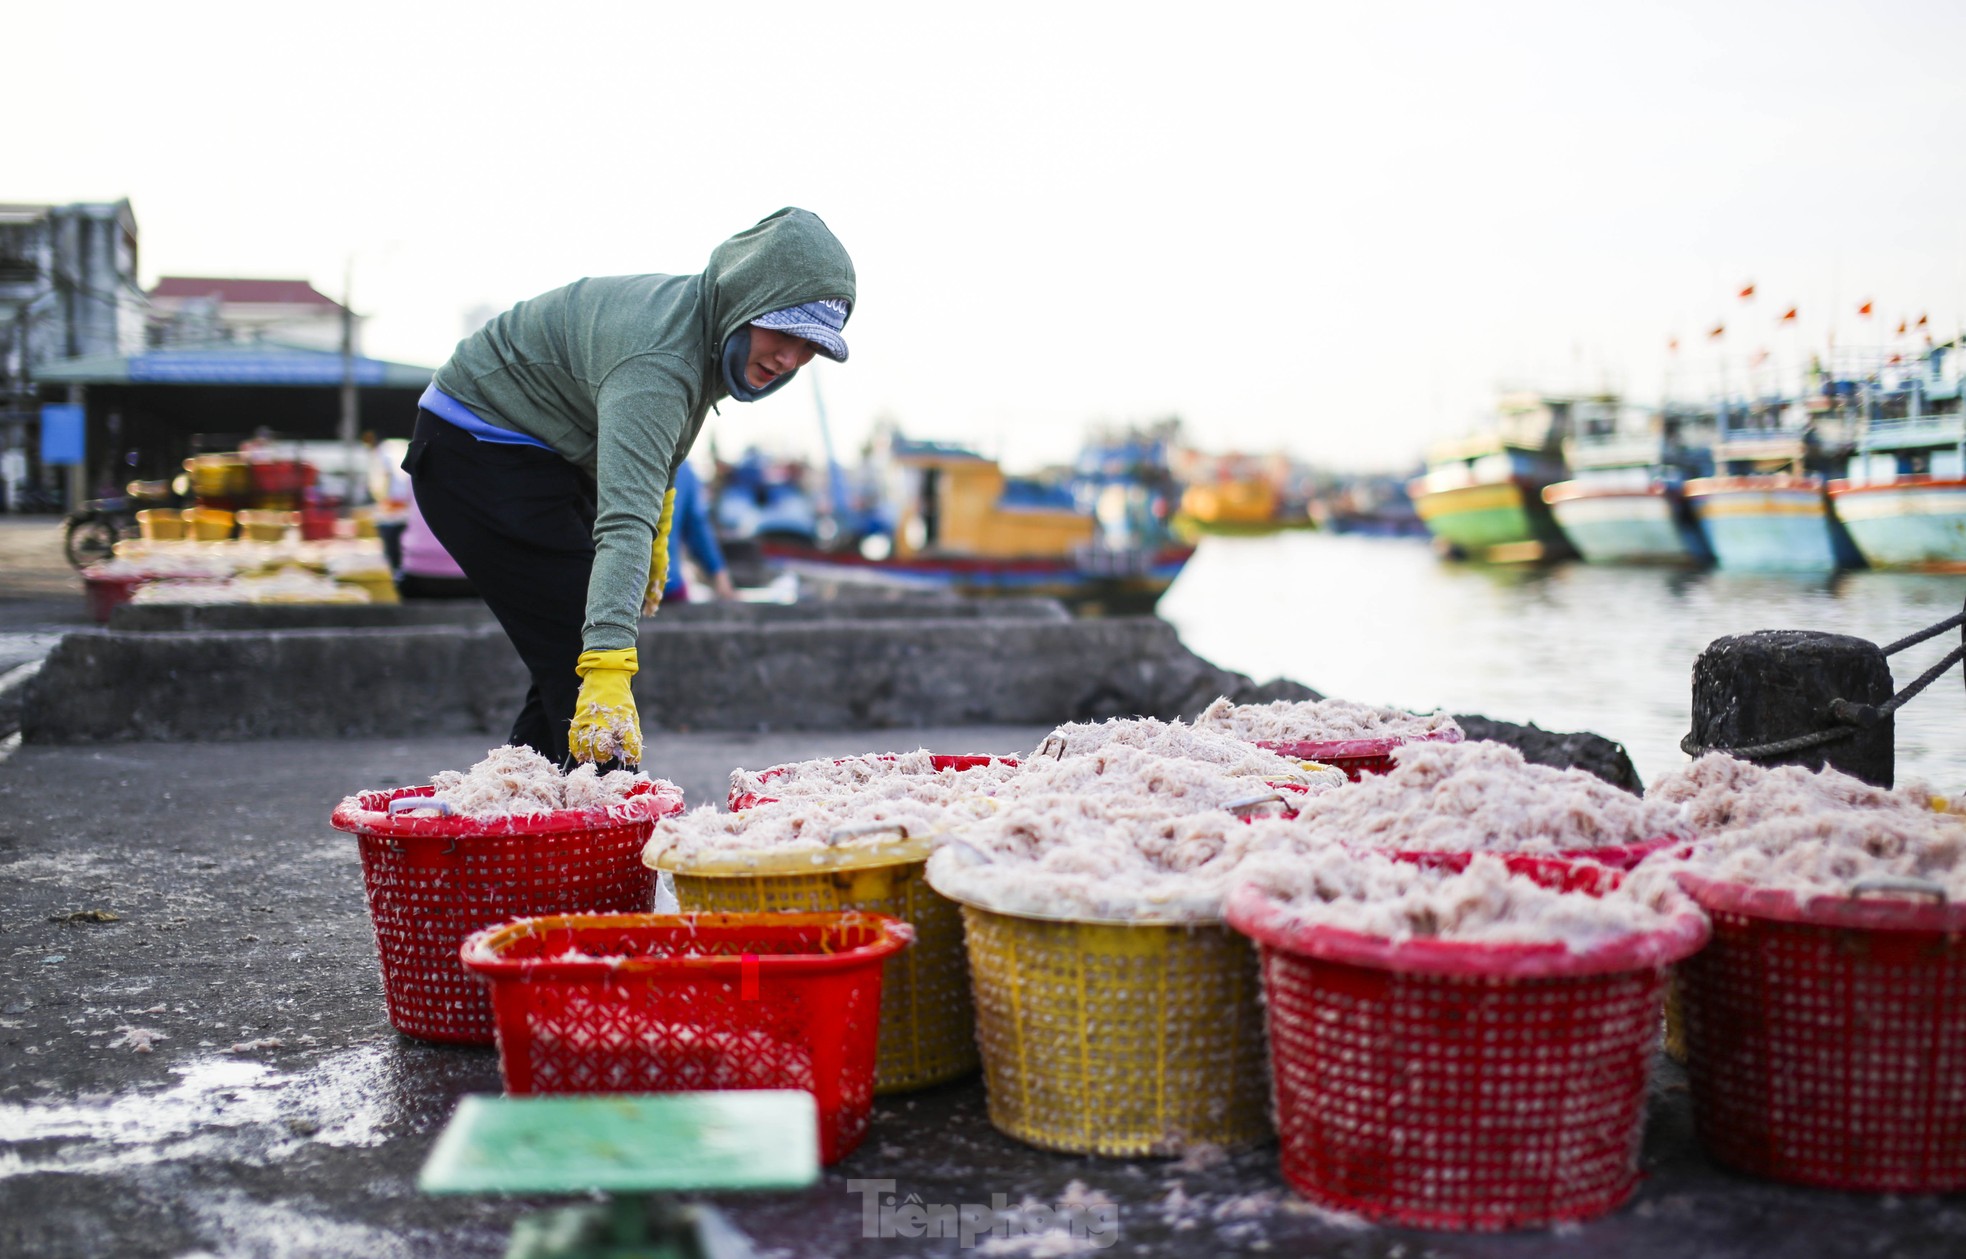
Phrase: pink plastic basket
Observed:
(1357, 757)
(1826, 1037)
(1445, 1084)
(432, 881)
(750, 799)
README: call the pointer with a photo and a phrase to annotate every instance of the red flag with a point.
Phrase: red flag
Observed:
(1788, 316)
(1864, 310)
(1747, 290)
(1897, 358)
(1922, 321)
(1902, 327)
(1717, 330)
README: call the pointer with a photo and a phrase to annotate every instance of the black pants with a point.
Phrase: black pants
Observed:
(519, 521)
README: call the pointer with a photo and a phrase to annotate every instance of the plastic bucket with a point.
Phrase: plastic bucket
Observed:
(432, 881)
(1122, 1039)
(158, 524)
(928, 1025)
(207, 525)
(1459, 1085)
(105, 593)
(655, 1003)
(1826, 1036)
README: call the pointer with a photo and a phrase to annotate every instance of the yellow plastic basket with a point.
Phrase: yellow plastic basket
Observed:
(1121, 1039)
(928, 1028)
(160, 525)
(206, 524)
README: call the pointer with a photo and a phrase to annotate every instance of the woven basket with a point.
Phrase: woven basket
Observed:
(928, 1027)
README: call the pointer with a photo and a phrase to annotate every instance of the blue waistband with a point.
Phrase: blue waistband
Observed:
(449, 409)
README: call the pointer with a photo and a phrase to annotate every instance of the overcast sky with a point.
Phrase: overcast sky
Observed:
(1333, 229)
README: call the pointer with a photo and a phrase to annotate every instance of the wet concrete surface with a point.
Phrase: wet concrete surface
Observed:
(210, 1072)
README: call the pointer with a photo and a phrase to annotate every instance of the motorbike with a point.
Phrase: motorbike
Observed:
(91, 531)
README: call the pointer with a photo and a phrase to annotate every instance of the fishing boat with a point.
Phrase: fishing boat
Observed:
(1626, 504)
(1482, 497)
(1766, 509)
(1904, 496)
(962, 525)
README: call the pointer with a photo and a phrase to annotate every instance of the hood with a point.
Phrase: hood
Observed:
(788, 258)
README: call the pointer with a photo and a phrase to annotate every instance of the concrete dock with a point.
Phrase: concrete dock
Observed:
(275, 1112)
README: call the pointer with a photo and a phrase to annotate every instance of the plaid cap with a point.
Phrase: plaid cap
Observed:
(819, 322)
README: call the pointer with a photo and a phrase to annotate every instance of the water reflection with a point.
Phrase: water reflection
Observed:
(1570, 646)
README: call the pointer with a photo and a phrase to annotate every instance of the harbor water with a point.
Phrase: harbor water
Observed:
(1568, 647)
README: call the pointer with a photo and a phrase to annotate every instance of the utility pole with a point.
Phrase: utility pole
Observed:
(350, 403)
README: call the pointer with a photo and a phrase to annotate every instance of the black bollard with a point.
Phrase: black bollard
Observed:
(1772, 685)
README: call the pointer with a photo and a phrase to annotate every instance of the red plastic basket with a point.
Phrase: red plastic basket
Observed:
(1826, 1038)
(432, 881)
(739, 800)
(1447, 1084)
(1616, 857)
(659, 1003)
(106, 594)
(1357, 757)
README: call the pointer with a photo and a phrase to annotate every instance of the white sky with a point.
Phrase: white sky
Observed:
(1333, 229)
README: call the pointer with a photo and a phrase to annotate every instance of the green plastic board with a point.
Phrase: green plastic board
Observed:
(627, 1143)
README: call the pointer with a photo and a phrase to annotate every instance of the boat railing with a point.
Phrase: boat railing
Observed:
(1915, 430)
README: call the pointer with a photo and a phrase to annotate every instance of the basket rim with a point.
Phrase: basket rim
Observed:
(1085, 920)
(1621, 857)
(859, 854)
(737, 801)
(1256, 914)
(366, 814)
(1353, 749)
(1820, 909)
(480, 950)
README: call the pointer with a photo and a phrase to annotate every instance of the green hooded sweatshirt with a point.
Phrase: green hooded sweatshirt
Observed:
(617, 373)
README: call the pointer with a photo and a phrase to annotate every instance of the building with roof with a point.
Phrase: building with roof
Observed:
(68, 288)
(192, 310)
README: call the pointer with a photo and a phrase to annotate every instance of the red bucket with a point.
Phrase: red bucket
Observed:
(1826, 1037)
(663, 1003)
(105, 594)
(432, 881)
(1357, 757)
(750, 800)
(1460, 1085)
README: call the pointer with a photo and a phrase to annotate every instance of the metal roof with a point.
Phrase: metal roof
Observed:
(252, 363)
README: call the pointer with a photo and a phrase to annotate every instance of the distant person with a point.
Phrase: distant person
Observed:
(692, 531)
(427, 570)
(546, 449)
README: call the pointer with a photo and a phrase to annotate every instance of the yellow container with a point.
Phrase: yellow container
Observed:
(265, 526)
(380, 585)
(928, 1028)
(1121, 1039)
(160, 525)
(219, 476)
(207, 525)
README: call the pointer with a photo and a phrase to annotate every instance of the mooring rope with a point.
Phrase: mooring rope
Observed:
(1850, 717)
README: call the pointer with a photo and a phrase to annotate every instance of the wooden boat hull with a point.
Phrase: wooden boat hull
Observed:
(1500, 521)
(1091, 582)
(1771, 523)
(1627, 526)
(1914, 523)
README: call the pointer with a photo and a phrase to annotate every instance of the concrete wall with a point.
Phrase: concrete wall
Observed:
(709, 675)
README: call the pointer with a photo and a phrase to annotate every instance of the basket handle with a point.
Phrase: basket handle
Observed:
(971, 853)
(1899, 883)
(1049, 739)
(860, 830)
(1249, 802)
(404, 804)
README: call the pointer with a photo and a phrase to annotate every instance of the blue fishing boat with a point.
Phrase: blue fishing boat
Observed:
(1626, 502)
(1767, 507)
(1904, 497)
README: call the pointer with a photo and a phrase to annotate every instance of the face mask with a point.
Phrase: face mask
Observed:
(737, 351)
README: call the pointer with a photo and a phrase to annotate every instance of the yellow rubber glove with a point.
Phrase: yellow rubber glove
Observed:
(659, 557)
(605, 725)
